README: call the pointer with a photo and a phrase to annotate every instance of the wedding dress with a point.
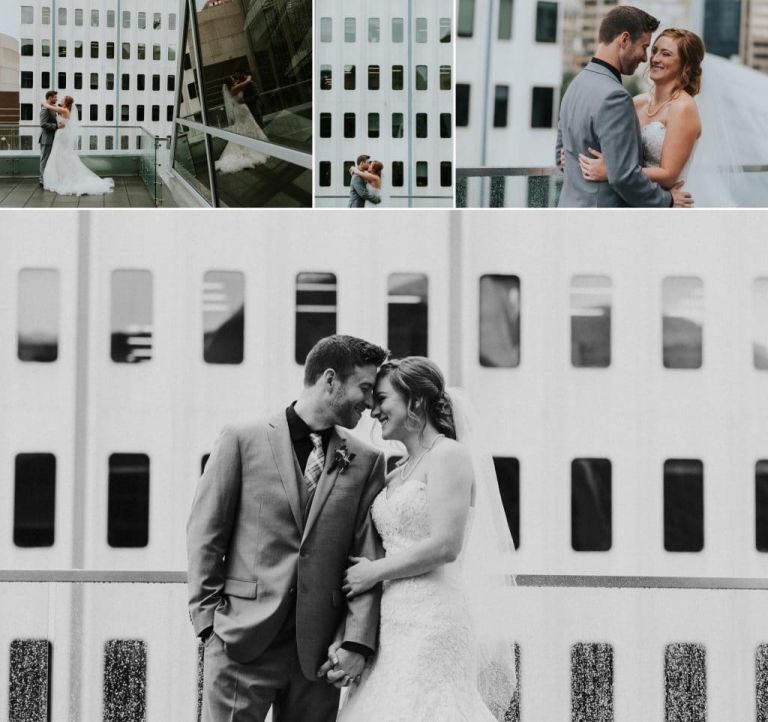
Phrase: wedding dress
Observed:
(65, 173)
(653, 136)
(425, 669)
(373, 191)
(236, 157)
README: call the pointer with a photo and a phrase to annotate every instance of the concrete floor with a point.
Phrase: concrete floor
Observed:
(130, 192)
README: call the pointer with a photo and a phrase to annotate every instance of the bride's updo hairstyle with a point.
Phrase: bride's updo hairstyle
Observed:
(690, 48)
(420, 382)
(67, 102)
(376, 166)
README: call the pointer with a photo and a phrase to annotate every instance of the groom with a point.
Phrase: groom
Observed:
(281, 506)
(358, 189)
(49, 126)
(598, 112)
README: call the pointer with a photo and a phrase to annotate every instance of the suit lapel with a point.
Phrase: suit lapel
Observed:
(282, 451)
(325, 482)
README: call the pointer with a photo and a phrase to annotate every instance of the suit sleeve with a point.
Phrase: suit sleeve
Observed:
(362, 621)
(44, 122)
(558, 147)
(616, 129)
(210, 526)
(361, 189)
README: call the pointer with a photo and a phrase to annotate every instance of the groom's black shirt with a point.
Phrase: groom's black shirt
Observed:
(299, 431)
(609, 66)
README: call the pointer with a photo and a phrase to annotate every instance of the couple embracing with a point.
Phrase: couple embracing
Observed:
(616, 151)
(310, 572)
(366, 182)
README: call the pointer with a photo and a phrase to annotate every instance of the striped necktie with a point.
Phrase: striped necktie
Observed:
(315, 463)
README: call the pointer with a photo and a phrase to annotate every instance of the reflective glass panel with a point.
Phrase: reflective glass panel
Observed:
(685, 682)
(421, 30)
(591, 505)
(445, 30)
(592, 682)
(397, 30)
(38, 315)
(34, 500)
(315, 310)
(591, 321)
(466, 23)
(128, 500)
(125, 680)
(373, 30)
(682, 322)
(407, 314)
(131, 316)
(505, 20)
(683, 505)
(326, 30)
(760, 323)
(397, 125)
(508, 477)
(29, 681)
(499, 321)
(223, 317)
(761, 505)
(546, 22)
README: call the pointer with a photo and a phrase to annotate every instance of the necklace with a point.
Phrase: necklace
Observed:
(672, 97)
(403, 472)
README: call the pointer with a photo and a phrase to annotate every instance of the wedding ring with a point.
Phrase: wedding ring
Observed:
(357, 679)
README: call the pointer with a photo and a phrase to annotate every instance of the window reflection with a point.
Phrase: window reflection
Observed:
(508, 476)
(315, 310)
(131, 316)
(407, 317)
(683, 505)
(591, 321)
(591, 505)
(34, 500)
(683, 318)
(760, 323)
(128, 500)
(38, 315)
(499, 321)
(223, 317)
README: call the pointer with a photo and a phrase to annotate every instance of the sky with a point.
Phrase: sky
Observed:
(9, 23)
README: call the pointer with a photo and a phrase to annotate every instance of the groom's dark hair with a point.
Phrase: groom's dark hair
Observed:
(50, 94)
(342, 354)
(361, 158)
(625, 18)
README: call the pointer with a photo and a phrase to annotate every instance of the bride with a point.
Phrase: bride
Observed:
(669, 117)
(372, 178)
(432, 653)
(65, 173)
(236, 157)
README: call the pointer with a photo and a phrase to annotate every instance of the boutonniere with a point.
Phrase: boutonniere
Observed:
(342, 459)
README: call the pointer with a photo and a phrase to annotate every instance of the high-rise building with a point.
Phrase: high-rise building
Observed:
(754, 35)
(509, 71)
(384, 88)
(9, 81)
(722, 27)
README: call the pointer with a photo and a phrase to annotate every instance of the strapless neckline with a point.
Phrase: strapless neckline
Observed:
(390, 491)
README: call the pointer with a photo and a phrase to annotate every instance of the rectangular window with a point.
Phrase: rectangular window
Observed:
(421, 77)
(445, 125)
(397, 77)
(125, 115)
(500, 106)
(125, 680)
(505, 20)
(94, 81)
(325, 125)
(760, 323)
(62, 80)
(397, 30)
(155, 113)
(27, 47)
(131, 315)
(128, 500)
(466, 18)
(422, 174)
(541, 107)
(142, 21)
(685, 682)
(62, 16)
(325, 173)
(462, 105)
(683, 505)
(93, 114)
(126, 51)
(45, 48)
(141, 51)
(591, 321)
(126, 19)
(34, 500)
(171, 52)
(592, 682)
(445, 30)
(157, 21)
(499, 321)
(326, 77)
(445, 77)
(140, 81)
(373, 30)
(345, 174)
(397, 125)
(591, 510)
(398, 173)
(110, 81)
(350, 30)
(125, 83)
(315, 310)
(27, 15)
(94, 50)
(46, 15)
(93, 141)
(223, 317)
(155, 82)
(421, 30)
(446, 174)
(25, 110)
(508, 477)
(79, 17)
(110, 18)
(373, 125)
(326, 30)
(139, 113)
(62, 48)
(349, 77)
(761, 505)
(171, 83)
(421, 125)
(546, 22)
(374, 77)
(349, 125)
(94, 18)
(172, 21)
(27, 79)
(29, 681)
(110, 50)
(407, 314)
(109, 114)
(45, 80)
(682, 322)
(156, 52)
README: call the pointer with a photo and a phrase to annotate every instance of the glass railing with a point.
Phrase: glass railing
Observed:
(95, 645)
(539, 187)
(108, 150)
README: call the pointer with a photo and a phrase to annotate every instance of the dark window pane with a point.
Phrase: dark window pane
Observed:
(373, 125)
(325, 173)
(131, 317)
(38, 315)
(508, 476)
(445, 30)
(326, 77)
(592, 682)
(325, 125)
(422, 174)
(421, 77)
(346, 177)
(541, 110)
(128, 500)
(500, 106)
(685, 683)
(591, 505)
(761, 682)
(505, 20)
(374, 77)
(683, 505)
(407, 314)
(349, 77)
(591, 321)
(223, 317)
(761, 506)
(125, 680)
(538, 191)
(34, 500)
(445, 125)
(446, 174)
(315, 310)
(29, 685)
(462, 105)
(466, 18)
(421, 125)
(499, 321)
(398, 130)
(349, 125)
(445, 77)
(760, 323)
(682, 323)
(397, 77)
(546, 22)
(398, 173)
(498, 189)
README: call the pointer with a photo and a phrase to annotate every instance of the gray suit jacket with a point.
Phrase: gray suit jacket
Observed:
(253, 559)
(358, 193)
(597, 112)
(48, 125)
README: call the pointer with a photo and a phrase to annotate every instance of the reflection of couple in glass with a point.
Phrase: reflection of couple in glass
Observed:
(244, 117)
(366, 182)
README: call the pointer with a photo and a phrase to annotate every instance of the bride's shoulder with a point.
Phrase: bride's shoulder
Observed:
(685, 110)
(450, 451)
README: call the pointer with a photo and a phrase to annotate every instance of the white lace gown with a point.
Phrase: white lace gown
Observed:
(236, 157)
(65, 173)
(653, 135)
(373, 191)
(424, 670)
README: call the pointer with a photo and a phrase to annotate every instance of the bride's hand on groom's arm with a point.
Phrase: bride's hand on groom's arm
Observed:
(360, 577)
(593, 169)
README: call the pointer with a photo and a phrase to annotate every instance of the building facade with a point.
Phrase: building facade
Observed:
(509, 71)
(754, 35)
(384, 88)
(9, 81)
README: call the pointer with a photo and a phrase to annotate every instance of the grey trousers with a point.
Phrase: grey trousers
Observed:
(237, 692)
(45, 153)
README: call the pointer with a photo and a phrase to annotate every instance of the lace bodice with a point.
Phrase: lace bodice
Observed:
(653, 136)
